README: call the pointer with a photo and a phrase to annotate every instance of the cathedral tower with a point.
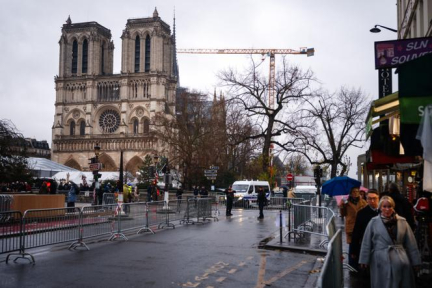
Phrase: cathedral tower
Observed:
(93, 105)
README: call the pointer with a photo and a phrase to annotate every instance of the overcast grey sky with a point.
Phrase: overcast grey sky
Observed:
(337, 29)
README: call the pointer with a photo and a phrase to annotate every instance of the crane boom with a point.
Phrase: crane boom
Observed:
(303, 50)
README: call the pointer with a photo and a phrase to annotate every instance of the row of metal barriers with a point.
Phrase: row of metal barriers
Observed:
(41, 227)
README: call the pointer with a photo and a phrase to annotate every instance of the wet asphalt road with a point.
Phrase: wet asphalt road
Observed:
(215, 254)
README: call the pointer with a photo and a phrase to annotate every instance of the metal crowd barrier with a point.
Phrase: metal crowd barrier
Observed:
(332, 272)
(6, 202)
(41, 227)
(10, 231)
(108, 199)
(309, 219)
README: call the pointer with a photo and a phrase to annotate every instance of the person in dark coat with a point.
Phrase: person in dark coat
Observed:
(403, 206)
(179, 193)
(196, 191)
(230, 198)
(261, 201)
(285, 191)
(203, 192)
(362, 220)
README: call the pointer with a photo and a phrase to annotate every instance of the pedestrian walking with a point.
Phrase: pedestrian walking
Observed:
(403, 207)
(179, 193)
(389, 248)
(348, 209)
(230, 198)
(362, 220)
(196, 191)
(72, 195)
(149, 193)
(261, 202)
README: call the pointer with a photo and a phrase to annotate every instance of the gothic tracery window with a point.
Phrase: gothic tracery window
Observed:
(85, 56)
(135, 126)
(72, 128)
(147, 54)
(146, 126)
(82, 128)
(109, 121)
(74, 57)
(137, 53)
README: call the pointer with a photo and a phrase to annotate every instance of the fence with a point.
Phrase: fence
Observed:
(331, 275)
(6, 202)
(307, 219)
(41, 227)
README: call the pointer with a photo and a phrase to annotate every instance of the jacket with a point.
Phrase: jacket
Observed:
(349, 211)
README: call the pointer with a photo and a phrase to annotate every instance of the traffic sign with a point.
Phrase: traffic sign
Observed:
(289, 177)
(95, 166)
(210, 171)
(214, 167)
(211, 178)
(210, 175)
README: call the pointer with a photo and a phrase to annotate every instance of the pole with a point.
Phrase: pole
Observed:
(280, 226)
(289, 221)
(121, 173)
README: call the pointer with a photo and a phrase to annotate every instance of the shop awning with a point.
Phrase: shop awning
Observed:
(388, 106)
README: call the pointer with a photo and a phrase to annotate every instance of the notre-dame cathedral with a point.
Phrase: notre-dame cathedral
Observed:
(94, 106)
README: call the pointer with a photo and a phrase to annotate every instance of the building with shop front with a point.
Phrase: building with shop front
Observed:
(95, 106)
(395, 154)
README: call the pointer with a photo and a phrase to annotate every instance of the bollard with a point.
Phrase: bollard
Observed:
(280, 225)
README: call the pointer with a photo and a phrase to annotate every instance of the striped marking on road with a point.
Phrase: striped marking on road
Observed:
(283, 274)
(232, 271)
(220, 279)
(241, 264)
(261, 272)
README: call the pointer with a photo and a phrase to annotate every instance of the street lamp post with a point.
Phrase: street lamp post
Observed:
(96, 174)
(375, 29)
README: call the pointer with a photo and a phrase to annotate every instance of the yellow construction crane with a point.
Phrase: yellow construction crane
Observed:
(269, 52)
(272, 77)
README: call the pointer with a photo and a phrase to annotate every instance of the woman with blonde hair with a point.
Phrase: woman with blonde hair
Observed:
(389, 248)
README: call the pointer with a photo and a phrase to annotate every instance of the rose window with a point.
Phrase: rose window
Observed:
(109, 121)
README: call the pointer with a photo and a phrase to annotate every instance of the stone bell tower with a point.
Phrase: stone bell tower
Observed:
(116, 111)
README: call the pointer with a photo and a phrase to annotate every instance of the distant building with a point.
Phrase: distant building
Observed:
(37, 148)
(116, 111)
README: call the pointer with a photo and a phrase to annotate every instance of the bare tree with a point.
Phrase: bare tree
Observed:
(13, 153)
(250, 92)
(329, 124)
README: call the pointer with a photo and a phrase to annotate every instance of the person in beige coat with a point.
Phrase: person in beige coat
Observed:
(348, 209)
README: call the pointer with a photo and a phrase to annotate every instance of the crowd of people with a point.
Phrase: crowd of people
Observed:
(17, 186)
(379, 230)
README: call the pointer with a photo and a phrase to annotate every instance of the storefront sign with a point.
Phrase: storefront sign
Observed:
(390, 54)
(384, 82)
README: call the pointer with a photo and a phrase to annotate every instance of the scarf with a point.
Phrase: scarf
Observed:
(390, 223)
(353, 200)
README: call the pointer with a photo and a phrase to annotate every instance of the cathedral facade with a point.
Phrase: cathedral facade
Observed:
(117, 111)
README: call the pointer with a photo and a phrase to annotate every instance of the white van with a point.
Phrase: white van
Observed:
(305, 192)
(246, 191)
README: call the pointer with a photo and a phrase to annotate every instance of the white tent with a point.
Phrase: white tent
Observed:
(76, 177)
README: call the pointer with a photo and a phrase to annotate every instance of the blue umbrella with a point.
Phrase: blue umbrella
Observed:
(339, 186)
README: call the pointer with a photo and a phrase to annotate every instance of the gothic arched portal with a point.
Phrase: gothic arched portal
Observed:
(108, 163)
(133, 165)
(73, 164)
